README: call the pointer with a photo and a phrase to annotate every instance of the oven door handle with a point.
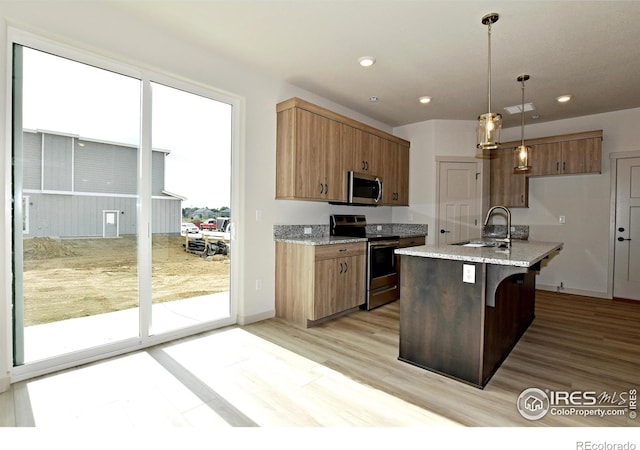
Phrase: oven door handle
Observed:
(373, 246)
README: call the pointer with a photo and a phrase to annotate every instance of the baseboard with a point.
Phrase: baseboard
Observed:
(595, 294)
(246, 320)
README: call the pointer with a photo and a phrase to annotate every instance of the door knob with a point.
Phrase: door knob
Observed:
(620, 239)
(444, 231)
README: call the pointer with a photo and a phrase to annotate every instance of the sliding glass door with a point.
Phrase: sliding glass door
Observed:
(190, 270)
(103, 195)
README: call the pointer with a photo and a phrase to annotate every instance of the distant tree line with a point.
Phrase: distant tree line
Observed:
(202, 214)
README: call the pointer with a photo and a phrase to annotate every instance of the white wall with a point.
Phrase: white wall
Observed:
(584, 200)
(104, 30)
(429, 140)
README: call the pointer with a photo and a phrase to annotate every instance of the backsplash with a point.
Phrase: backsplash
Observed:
(298, 231)
(517, 231)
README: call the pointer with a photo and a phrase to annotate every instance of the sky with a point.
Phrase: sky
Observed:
(69, 97)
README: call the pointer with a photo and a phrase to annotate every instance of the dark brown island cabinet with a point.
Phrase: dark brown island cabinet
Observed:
(464, 307)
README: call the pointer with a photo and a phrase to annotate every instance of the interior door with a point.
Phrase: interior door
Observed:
(627, 244)
(458, 201)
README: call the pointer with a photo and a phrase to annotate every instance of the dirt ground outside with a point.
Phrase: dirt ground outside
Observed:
(72, 278)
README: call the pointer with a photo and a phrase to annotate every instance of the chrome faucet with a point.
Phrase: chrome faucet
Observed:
(507, 239)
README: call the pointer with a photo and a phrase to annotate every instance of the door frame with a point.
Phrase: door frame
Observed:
(613, 169)
(482, 198)
(116, 214)
(75, 52)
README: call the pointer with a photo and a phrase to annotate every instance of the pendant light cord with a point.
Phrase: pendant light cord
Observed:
(522, 122)
(489, 70)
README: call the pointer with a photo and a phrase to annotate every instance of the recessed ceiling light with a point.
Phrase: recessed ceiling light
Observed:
(366, 61)
(564, 98)
(373, 98)
(424, 99)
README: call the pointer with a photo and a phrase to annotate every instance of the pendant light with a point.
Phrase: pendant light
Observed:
(489, 124)
(522, 152)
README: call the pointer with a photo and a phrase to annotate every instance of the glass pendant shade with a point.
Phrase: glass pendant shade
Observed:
(489, 126)
(522, 152)
(522, 156)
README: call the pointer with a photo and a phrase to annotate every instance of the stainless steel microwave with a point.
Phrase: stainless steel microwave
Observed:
(364, 189)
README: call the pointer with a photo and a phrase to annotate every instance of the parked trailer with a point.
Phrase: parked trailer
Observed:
(204, 246)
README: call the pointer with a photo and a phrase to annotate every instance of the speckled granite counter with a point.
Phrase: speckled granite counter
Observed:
(521, 254)
(320, 240)
(319, 234)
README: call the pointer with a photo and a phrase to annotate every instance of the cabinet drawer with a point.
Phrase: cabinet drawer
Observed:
(339, 250)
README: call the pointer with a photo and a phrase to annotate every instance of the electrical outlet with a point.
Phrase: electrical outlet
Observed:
(307, 230)
(258, 284)
(379, 228)
(561, 219)
(468, 273)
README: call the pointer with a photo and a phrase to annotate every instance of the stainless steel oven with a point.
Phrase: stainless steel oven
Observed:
(382, 275)
(382, 281)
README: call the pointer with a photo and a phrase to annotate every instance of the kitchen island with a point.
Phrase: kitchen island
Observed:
(464, 307)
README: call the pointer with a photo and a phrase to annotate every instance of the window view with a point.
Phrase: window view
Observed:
(190, 278)
(76, 175)
(77, 208)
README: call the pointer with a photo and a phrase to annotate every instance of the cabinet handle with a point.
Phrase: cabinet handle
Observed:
(564, 166)
(363, 165)
(346, 267)
(321, 188)
(341, 268)
(343, 250)
(557, 167)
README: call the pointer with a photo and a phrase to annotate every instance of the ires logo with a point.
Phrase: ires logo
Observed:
(534, 403)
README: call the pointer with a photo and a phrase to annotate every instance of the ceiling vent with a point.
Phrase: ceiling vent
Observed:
(517, 109)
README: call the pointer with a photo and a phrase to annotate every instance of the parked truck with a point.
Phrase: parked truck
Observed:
(218, 224)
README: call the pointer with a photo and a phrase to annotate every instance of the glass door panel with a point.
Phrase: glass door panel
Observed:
(76, 156)
(191, 245)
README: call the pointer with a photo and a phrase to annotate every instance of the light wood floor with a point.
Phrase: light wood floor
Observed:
(343, 373)
(575, 344)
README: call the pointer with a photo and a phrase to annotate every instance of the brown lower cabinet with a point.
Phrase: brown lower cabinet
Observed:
(318, 282)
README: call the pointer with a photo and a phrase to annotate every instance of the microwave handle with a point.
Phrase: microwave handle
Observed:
(379, 181)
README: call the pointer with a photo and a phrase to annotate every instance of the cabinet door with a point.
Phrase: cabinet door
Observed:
(370, 154)
(572, 158)
(395, 177)
(318, 162)
(582, 156)
(339, 286)
(311, 140)
(403, 176)
(351, 284)
(333, 169)
(507, 188)
(545, 159)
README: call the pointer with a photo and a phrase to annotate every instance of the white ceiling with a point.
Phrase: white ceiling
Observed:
(590, 49)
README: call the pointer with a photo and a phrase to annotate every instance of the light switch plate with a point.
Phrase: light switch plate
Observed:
(468, 273)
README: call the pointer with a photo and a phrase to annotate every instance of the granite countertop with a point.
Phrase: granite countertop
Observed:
(521, 253)
(319, 234)
(320, 240)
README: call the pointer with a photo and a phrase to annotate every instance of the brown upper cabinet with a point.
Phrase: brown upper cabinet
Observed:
(567, 154)
(316, 148)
